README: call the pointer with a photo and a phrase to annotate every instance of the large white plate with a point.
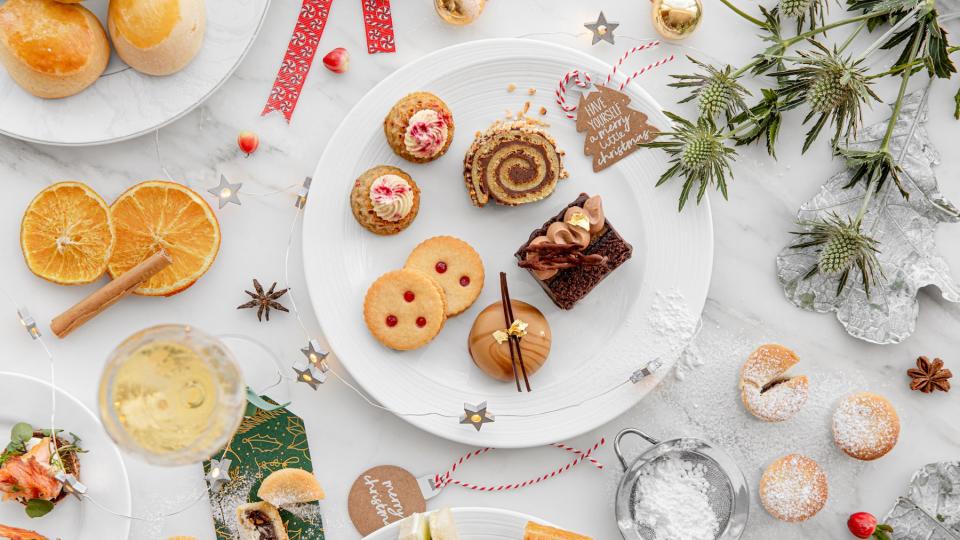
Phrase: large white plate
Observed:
(596, 346)
(124, 103)
(26, 399)
(475, 524)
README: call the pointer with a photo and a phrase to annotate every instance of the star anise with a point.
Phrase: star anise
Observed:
(264, 301)
(929, 376)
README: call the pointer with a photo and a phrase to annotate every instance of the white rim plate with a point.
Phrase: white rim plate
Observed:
(476, 523)
(26, 399)
(596, 345)
(123, 103)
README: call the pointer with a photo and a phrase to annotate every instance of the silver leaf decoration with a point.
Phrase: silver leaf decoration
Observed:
(904, 229)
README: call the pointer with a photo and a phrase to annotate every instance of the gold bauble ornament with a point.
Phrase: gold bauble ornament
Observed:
(676, 19)
(459, 12)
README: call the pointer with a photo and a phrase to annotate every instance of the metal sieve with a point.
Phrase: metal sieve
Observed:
(728, 494)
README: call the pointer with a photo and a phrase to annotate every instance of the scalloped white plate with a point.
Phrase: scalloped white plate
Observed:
(26, 399)
(124, 103)
(475, 523)
(596, 345)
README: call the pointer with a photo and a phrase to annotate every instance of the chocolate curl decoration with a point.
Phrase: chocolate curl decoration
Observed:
(305, 40)
(551, 256)
(513, 340)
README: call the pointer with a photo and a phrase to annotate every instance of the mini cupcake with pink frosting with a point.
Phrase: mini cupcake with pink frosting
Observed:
(385, 200)
(419, 127)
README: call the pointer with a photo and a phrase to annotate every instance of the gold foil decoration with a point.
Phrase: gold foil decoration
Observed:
(459, 12)
(676, 19)
(517, 329)
(579, 219)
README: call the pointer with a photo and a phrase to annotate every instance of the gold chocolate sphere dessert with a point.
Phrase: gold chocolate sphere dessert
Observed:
(459, 12)
(676, 19)
(492, 355)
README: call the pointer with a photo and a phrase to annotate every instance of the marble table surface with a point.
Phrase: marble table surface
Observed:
(746, 305)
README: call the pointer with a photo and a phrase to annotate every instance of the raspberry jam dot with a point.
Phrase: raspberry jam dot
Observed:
(464, 281)
(421, 322)
(391, 320)
(441, 267)
(409, 296)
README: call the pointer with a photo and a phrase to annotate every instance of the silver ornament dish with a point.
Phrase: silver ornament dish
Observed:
(728, 495)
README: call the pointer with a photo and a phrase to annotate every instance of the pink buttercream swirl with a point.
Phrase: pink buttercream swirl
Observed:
(426, 134)
(391, 197)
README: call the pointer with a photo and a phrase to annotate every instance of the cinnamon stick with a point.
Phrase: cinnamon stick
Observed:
(109, 294)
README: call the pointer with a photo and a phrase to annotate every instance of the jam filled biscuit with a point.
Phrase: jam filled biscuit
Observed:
(404, 309)
(454, 265)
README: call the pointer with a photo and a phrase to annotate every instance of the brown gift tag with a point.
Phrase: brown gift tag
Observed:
(382, 495)
(613, 129)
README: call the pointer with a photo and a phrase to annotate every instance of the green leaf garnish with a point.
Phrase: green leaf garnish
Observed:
(38, 507)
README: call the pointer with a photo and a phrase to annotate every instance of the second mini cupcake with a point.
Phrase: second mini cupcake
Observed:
(385, 200)
(419, 127)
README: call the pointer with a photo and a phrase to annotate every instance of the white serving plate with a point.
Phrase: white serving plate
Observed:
(596, 345)
(124, 103)
(475, 524)
(26, 399)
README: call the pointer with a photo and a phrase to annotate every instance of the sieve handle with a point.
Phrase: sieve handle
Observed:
(616, 443)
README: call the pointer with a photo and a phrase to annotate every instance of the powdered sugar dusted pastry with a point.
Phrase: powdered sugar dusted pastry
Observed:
(419, 128)
(385, 200)
(260, 521)
(768, 392)
(866, 426)
(513, 162)
(290, 486)
(793, 488)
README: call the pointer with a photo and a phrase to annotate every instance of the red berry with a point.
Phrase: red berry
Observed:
(248, 142)
(337, 60)
(441, 267)
(391, 320)
(421, 322)
(862, 524)
(464, 281)
(409, 296)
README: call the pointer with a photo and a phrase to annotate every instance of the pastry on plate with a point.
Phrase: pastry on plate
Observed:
(574, 251)
(260, 521)
(536, 531)
(52, 50)
(405, 309)
(490, 350)
(866, 426)
(31, 462)
(385, 200)
(513, 162)
(766, 389)
(793, 488)
(290, 486)
(455, 265)
(419, 127)
(157, 37)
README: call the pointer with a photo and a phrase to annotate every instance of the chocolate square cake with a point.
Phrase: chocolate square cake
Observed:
(568, 270)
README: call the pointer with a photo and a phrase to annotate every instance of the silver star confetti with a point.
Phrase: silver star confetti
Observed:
(602, 30)
(314, 353)
(219, 473)
(476, 415)
(225, 192)
(309, 376)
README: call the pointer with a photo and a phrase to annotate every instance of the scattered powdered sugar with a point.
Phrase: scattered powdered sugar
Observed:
(307, 512)
(865, 425)
(673, 500)
(674, 327)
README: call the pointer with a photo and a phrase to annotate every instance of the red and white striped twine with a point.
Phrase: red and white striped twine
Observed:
(442, 480)
(582, 79)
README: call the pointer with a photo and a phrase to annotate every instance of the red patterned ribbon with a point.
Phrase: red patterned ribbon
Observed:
(303, 48)
(379, 26)
(443, 480)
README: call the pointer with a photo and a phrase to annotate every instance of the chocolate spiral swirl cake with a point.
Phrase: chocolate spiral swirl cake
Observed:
(513, 162)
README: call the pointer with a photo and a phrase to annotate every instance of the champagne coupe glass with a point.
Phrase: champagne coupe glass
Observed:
(171, 395)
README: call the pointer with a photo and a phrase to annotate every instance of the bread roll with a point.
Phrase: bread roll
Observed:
(157, 37)
(52, 49)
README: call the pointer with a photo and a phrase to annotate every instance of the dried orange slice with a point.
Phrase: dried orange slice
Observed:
(156, 215)
(67, 235)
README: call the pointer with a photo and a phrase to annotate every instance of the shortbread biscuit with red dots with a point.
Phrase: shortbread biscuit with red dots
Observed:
(405, 309)
(455, 265)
